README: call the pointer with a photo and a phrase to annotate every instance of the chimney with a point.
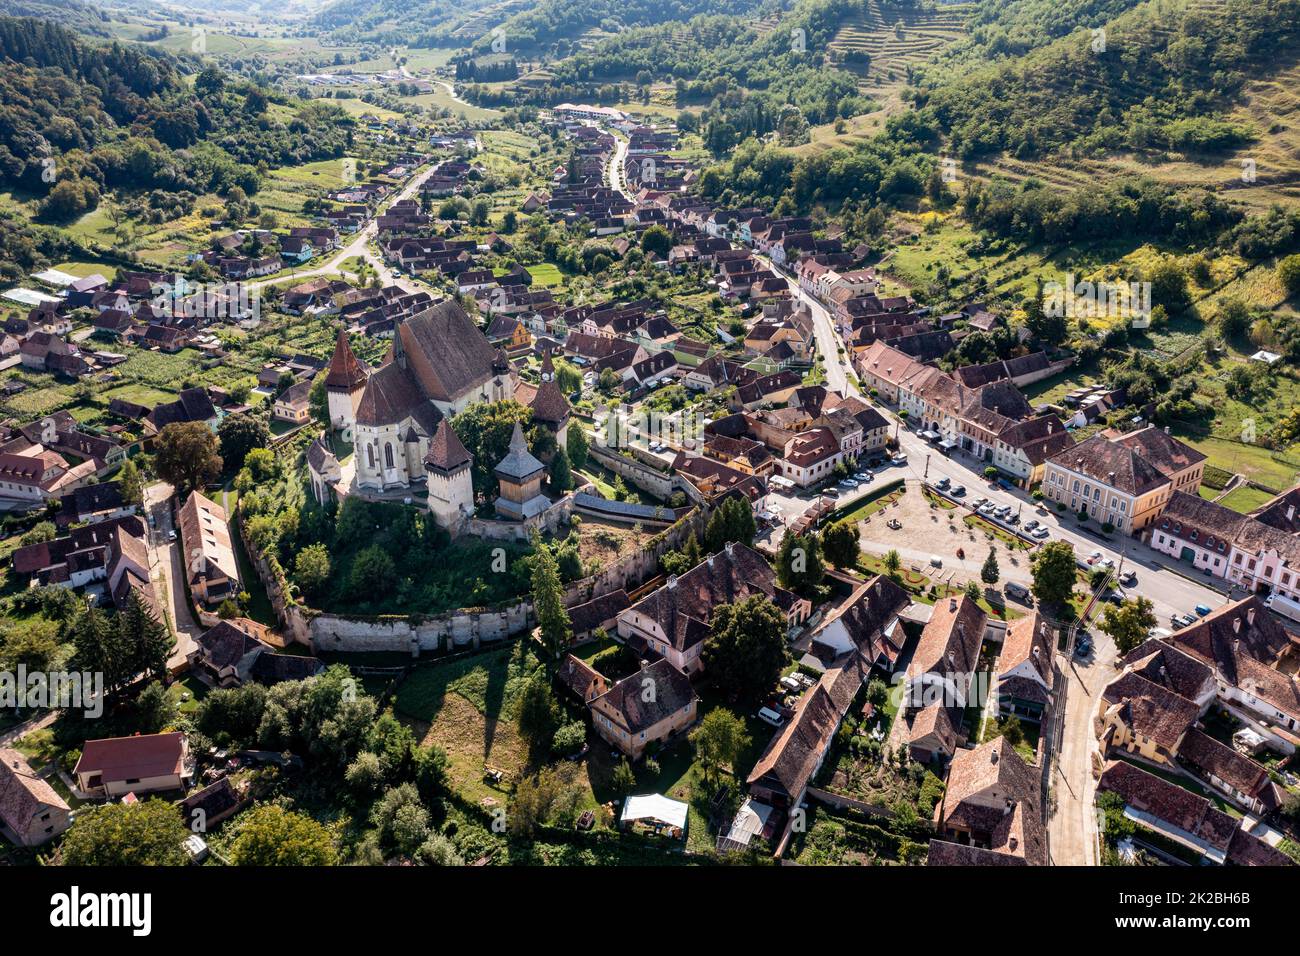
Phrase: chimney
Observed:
(1012, 843)
(1250, 617)
(952, 605)
(709, 560)
(1290, 512)
(730, 546)
(672, 581)
(1110, 477)
(1236, 647)
(1236, 625)
(993, 755)
(1166, 429)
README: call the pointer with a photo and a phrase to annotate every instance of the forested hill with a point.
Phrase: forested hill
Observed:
(1166, 75)
(114, 116)
(552, 20)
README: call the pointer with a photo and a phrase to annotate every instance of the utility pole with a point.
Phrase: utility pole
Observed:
(926, 476)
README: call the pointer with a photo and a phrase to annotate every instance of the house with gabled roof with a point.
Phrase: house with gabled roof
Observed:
(31, 811)
(991, 804)
(645, 708)
(673, 620)
(145, 763)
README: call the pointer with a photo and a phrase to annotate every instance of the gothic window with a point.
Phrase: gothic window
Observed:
(388, 455)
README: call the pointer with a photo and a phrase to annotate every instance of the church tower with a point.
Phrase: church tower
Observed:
(550, 407)
(450, 487)
(344, 383)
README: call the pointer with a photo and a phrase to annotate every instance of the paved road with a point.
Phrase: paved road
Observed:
(615, 173)
(359, 245)
(1072, 822)
(169, 569)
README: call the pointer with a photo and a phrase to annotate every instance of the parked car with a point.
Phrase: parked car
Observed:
(768, 716)
(959, 491)
(1128, 579)
(978, 502)
(1031, 524)
(1083, 646)
(1040, 532)
(1202, 610)
(936, 561)
(1016, 591)
(1094, 557)
(942, 483)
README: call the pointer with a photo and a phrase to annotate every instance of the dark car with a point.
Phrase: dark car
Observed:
(1083, 646)
(959, 491)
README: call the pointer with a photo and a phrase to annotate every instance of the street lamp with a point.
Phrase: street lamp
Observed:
(926, 476)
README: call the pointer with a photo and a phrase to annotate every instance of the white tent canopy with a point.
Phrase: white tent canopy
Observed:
(655, 806)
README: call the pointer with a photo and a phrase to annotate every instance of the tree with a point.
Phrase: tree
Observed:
(372, 573)
(311, 569)
(840, 543)
(548, 605)
(539, 714)
(239, 434)
(186, 456)
(1129, 624)
(623, 780)
(745, 649)
(270, 835)
(485, 429)
(558, 472)
(799, 563)
(577, 445)
(733, 520)
(892, 563)
(553, 795)
(990, 573)
(132, 484)
(403, 821)
(1288, 271)
(720, 739)
(1053, 569)
(39, 533)
(657, 242)
(145, 639)
(148, 833)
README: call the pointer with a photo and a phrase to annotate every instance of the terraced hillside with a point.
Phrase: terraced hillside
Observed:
(880, 46)
(895, 40)
(1270, 107)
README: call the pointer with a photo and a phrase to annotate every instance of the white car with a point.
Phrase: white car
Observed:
(1094, 557)
(1040, 533)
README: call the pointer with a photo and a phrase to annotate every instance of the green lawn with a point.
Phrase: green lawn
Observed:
(1245, 499)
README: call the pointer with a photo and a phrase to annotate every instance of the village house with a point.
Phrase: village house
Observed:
(629, 718)
(207, 552)
(293, 406)
(1024, 676)
(990, 813)
(116, 766)
(1250, 553)
(939, 679)
(31, 811)
(1186, 817)
(673, 620)
(234, 652)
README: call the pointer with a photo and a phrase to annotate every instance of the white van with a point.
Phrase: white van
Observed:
(768, 716)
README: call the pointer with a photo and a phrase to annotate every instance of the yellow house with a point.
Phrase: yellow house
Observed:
(651, 705)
